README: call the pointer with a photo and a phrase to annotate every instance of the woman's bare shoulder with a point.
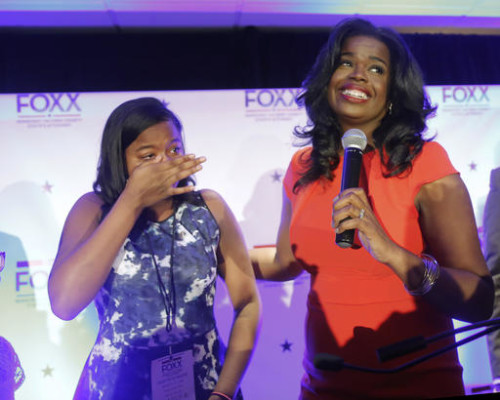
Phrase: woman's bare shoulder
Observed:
(88, 204)
(215, 203)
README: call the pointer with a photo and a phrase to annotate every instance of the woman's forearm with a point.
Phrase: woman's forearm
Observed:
(268, 266)
(241, 344)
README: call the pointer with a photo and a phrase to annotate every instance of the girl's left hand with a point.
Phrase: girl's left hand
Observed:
(352, 210)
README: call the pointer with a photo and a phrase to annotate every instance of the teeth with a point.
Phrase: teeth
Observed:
(355, 93)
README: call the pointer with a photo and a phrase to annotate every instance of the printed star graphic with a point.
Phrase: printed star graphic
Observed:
(286, 346)
(472, 166)
(47, 371)
(276, 176)
(47, 187)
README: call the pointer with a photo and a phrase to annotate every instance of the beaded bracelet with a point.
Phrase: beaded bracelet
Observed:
(222, 395)
(431, 275)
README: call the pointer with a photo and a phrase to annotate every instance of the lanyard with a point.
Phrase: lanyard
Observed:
(168, 299)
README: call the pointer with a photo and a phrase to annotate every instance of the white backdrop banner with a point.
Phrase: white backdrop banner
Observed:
(49, 148)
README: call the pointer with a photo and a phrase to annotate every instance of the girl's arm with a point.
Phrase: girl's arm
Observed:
(88, 245)
(236, 270)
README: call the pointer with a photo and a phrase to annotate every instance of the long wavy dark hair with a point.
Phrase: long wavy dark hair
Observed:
(123, 126)
(398, 137)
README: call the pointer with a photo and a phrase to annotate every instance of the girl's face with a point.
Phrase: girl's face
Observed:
(162, 139)
(357, 91)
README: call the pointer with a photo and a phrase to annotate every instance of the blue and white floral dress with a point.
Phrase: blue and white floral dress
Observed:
(132, 312)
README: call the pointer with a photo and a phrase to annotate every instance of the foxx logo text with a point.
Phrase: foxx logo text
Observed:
(271, 97)
(48, 102)
(30, 279)
(171, 364)
(465, 94)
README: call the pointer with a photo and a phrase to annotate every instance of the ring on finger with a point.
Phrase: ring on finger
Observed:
(362, 213)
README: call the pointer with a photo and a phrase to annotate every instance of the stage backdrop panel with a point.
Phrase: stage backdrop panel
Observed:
(50, 144)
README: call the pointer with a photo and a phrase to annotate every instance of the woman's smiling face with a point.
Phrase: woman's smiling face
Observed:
(357, 91)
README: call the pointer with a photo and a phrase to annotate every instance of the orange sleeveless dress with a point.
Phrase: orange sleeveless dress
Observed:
(356, 304)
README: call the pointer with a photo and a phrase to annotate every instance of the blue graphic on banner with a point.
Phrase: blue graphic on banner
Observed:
(47, 102)
(465, 94)
(271, 98)
(272, 104)
(48, 110)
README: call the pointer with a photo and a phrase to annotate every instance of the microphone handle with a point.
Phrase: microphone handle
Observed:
(350, 178)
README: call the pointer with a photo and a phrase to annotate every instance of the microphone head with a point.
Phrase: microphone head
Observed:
(328, 362)
(354, 138)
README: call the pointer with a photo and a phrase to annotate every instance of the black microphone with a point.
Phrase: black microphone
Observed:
(332, 362)
(417, 343)
(402, 348)
(328, 362)
(354, 142)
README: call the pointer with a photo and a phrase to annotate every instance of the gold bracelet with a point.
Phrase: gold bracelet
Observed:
(431, 275)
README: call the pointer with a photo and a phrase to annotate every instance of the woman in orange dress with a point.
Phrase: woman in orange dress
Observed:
(416, 261)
